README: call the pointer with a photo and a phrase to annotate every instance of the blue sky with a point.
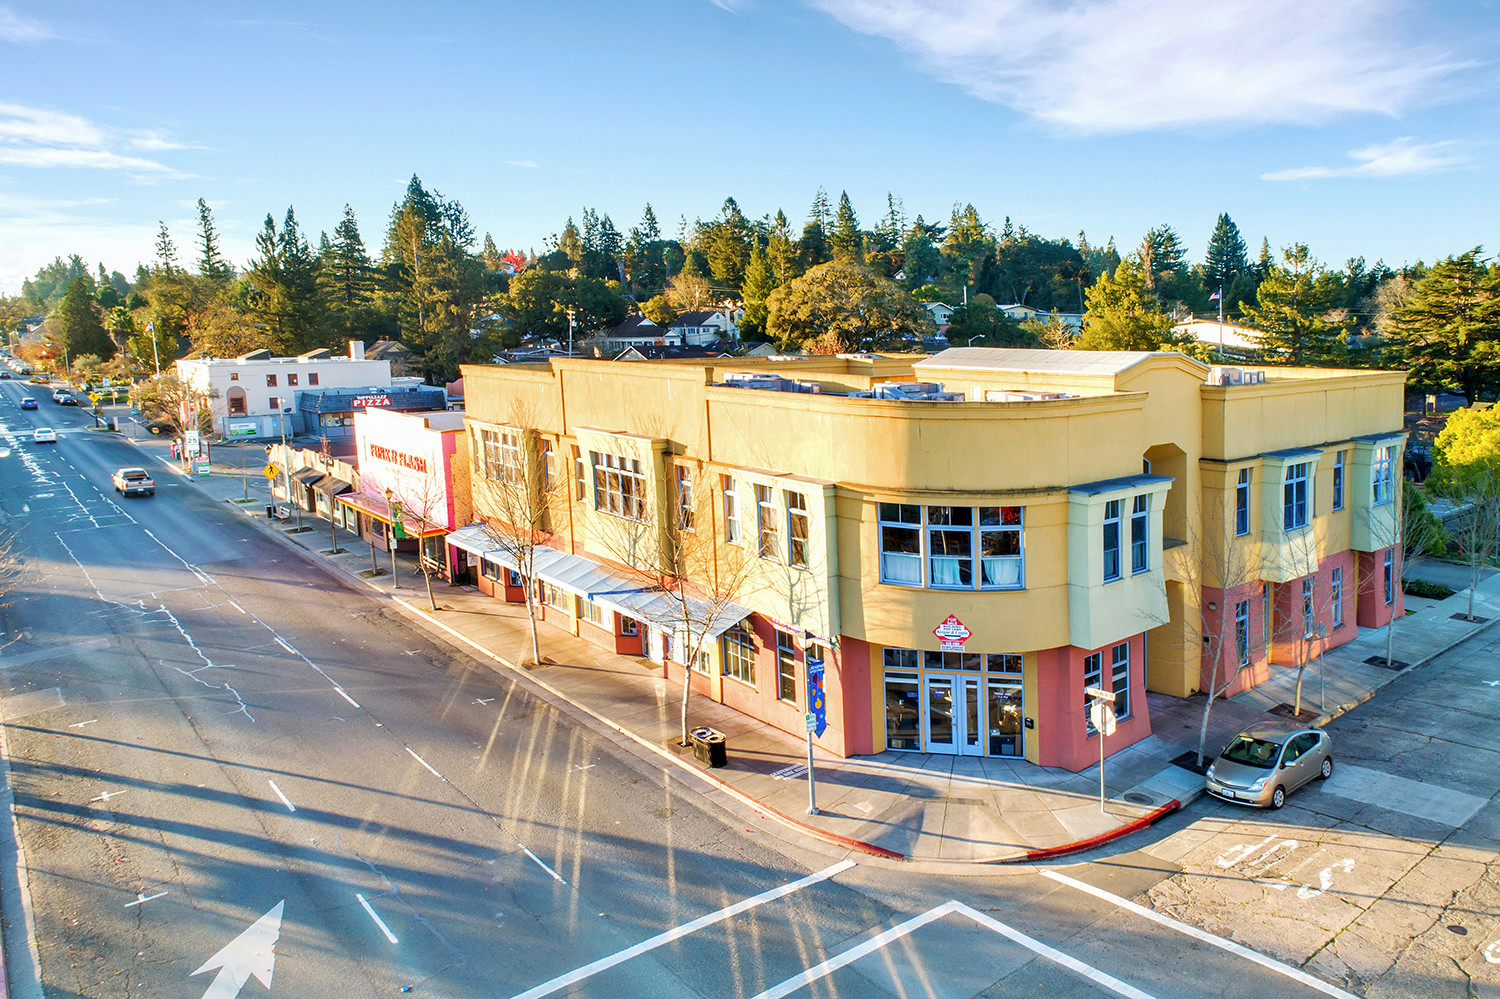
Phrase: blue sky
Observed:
(1361, 128)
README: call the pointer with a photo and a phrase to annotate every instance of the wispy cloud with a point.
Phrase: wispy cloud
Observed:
(528, 164)
(15, 28)
(1131, 65)
(37, 137)
(733, 6)
(1393, 159)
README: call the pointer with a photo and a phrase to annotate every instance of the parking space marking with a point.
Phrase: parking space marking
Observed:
(1492, 953)
(1295, 974)
(284, 800)
(676, 933)
(900, 930)
(1402, 794)
(378, 921)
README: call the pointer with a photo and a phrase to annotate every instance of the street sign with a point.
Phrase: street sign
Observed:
(817, 698)
(952, 634)
(1102, 717)
(398, 528)
(271, 471)
(1099, 694)
(190, 442)
(812, 722)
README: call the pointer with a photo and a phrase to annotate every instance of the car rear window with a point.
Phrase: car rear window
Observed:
(1252, 752)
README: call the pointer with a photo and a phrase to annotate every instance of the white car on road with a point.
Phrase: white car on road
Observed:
(44, 435)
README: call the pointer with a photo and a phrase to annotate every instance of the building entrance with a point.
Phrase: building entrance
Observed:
(955, 714)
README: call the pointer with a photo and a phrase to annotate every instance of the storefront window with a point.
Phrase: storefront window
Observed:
(1005, 718)
(903, 729)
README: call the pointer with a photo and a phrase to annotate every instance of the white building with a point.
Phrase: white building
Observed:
(248, 394)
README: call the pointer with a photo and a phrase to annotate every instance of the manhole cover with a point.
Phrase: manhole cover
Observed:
(1137, 798)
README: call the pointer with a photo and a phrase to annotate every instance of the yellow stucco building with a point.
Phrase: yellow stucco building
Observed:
(964, 542)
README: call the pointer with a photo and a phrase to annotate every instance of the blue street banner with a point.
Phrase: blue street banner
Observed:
(817, 699)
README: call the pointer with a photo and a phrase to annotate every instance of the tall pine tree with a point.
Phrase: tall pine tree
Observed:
(1225, 259)
(846, 241)
(1295, 312)
(211, 262)
(1448, 332)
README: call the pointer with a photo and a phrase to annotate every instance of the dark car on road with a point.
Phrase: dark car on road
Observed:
(1267, 762)
(27, 402)
(64, 399)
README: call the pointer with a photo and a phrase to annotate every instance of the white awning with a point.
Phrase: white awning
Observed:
(611, 588)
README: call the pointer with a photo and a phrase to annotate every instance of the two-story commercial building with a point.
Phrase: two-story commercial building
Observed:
(258, 395)
(965, 542)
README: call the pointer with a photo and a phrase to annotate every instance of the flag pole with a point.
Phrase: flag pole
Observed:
(1221, 317)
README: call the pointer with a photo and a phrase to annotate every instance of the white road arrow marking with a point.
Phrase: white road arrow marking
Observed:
(1492, 683)
(251, 953)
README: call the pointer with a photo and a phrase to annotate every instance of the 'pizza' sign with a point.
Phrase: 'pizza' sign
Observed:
(952, 634)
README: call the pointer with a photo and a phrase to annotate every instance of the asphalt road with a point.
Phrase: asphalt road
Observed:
(217, 748)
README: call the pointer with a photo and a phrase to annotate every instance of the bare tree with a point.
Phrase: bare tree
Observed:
(1411, 536)
(423, 496)
(1477, 521)
(512, 488)
(1229, 565)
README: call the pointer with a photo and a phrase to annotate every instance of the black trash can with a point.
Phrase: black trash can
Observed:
(709, 747)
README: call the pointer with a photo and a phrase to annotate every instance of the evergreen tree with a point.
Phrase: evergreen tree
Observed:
(211, 263)
(1225, 259)
(1265, 261)
(781, 249)
(648, 231)
(491, 254)
(1295, 312)
(920, 259)
(270, 299)
(166, 251)
(78, 324)
(348, 279)
(760, 281)
(726, 243)
(1123, 314)
(968, 235)
(846, 241)
(1448, 332)
(570, 243)
(889, 232)
(299, 270)
(812, 248)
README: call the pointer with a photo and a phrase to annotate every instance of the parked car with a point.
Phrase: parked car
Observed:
(64, 399)
(134, 482)
(44, 435)
(1267, 762)
(27, 402)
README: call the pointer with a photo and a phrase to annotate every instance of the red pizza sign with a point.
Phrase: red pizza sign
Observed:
(361, 401)
(952, 634)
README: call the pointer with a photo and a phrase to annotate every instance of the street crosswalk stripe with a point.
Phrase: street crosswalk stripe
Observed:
(900, 930)
(563, 981)
(1296, 974)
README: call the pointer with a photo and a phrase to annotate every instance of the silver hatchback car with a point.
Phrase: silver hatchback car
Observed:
(1265, 763)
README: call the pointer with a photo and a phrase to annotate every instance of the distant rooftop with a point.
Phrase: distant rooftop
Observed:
(1062, 362)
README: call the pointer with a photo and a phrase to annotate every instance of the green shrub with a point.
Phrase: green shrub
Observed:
(1427, 588)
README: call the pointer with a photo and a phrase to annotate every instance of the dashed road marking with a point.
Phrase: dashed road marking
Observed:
(378, 921)
(289, 806)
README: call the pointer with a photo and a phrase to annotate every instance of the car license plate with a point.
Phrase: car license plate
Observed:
(1228, 793)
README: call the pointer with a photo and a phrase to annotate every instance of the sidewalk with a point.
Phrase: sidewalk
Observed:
(896, 805)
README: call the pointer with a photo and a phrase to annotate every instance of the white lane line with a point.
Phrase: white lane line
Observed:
(378, 921)
(341, 692)
(424, 763)
(139, 898)
(108, 795)
(588, 970)
(238, 607)
(81, 724)
(555, 876)
(282, 642)
(1295, 974)
(900, 930)
(289, 806)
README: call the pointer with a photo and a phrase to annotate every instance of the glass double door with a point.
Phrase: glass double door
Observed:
(964, 715)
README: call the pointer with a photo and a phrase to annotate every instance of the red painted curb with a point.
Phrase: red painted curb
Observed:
(1135, 825)
(803, 827)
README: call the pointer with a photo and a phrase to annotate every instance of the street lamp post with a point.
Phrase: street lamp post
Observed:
(390, 503)
(973, 338)
(571, 313)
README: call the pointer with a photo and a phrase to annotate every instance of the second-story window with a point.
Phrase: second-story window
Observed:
(291, 378)
(901, 544)
(1000, 558)
(1139, 527)
(950, 540)
(1338, 481)
(1242, 504)
(684, 498)
(731, 510)
(765, 509)
(270, 381)
(1294, 497)
(312, 378)
(1111, 540)
(796, 530)
(619, 486)
(1381, 475)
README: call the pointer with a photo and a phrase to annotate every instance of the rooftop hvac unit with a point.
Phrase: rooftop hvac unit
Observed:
(1220, 375)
